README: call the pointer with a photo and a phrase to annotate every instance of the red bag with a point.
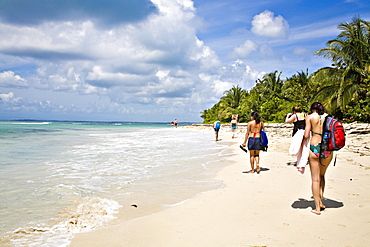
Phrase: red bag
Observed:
(334, 137)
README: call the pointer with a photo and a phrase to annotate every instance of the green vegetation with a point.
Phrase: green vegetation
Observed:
(344, 88)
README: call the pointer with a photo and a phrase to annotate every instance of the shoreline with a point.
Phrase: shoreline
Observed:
(267, 209)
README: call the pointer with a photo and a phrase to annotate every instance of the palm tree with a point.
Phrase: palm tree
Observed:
(211, 115)
(272, 85)
(233, 97)
(350, 53)
(229, 104)
(329, 82)
(299, 88)
(272, 99)
(231, 101)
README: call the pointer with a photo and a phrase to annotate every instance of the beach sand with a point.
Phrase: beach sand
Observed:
(267, 209)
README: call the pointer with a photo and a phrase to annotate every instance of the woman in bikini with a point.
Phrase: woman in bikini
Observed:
(253, 137)
(319, 160)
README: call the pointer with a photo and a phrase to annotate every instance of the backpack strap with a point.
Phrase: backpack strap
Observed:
(323, 131)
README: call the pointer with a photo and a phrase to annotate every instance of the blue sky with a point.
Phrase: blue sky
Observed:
(153, 60)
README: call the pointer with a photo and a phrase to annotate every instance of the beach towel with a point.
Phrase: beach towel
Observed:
(300, 147)
(302, 157)
(296, 142)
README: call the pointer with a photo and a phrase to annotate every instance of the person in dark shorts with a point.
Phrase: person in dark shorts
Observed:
(216, 126)
(252, 136)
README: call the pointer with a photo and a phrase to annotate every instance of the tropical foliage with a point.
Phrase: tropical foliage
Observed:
(343, 88)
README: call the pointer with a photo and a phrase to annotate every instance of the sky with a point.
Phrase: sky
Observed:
(153, 60)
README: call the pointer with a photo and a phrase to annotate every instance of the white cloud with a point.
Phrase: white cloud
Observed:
(157, 65)
(10, 79)
(238, 73)
(76, 56)
(244, 50)
(220, 87)
(241, 74)
(99, 77)
(9, 98)
(267, 25)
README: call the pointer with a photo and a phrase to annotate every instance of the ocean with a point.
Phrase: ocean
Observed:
(61, 178)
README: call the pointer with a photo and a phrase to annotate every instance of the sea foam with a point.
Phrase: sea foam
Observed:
(88, 215)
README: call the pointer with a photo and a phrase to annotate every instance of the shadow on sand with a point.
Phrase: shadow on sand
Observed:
(291, 163)
(303, 203)
(263, 169)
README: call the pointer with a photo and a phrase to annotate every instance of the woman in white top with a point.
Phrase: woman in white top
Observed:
(233, 125)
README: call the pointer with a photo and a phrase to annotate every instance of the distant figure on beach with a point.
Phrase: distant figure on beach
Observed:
(176, 123)
(253, 135)
(298, 118)
(233, 124)
(318, 160)
(299, 145)
(216, 127)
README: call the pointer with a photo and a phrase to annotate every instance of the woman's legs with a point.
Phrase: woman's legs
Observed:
(318, 171)
(316, 181)
(251, 157)
(254, 157)
(257, 159)
(323, 167)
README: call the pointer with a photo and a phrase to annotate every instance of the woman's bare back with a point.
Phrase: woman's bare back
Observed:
(317, 123)
(254, 129)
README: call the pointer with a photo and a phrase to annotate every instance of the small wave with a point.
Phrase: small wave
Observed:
(90, 214)
(31, 123)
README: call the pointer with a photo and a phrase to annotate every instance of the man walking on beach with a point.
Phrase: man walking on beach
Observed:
(216, 127)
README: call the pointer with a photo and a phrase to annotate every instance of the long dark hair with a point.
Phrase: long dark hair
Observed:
(256, 117)
(317, 106)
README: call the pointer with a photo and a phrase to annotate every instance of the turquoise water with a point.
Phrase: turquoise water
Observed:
(59, 178)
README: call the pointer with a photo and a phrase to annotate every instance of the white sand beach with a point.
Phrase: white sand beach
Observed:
(267, 209)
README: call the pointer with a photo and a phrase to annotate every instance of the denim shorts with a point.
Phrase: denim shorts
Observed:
(254, 143)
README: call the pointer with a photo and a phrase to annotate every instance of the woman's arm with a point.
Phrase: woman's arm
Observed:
(246, 135)
(307, 129)
(290, 118)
